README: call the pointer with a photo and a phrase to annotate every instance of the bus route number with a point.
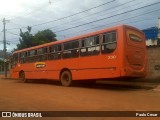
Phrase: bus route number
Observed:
(111, 57)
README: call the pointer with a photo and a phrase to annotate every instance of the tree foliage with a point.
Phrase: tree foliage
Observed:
(26, 39)
(44, 36)
(29, 40)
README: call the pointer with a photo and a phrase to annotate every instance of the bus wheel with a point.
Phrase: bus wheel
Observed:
(22, 77)
(66, 79)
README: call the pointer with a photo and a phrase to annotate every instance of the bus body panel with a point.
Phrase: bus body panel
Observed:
(92, 68)
(124, 61)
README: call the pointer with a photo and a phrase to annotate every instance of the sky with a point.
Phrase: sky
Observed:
(69, 18)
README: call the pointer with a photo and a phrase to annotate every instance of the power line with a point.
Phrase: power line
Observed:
(33, 11)
(18, 35)
(75, 20)
(12, 33)
(9, 39)
(75, 13)
(115, 22)
(13, 42)
(107, 17)
(105, 25)
(18, 25)
(12, 38)
(82, 17)
(69, 15)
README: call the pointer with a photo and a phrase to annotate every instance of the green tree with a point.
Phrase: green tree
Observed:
(26, 39)
(29, 40)
(44, 36)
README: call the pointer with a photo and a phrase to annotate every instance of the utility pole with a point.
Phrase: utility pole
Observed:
(5, 49)
(158, 42)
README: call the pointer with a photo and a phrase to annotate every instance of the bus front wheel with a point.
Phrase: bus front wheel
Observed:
(22, 77)
(66, 79)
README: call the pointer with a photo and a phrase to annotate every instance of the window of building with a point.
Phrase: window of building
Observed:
(90, 46)
(109, 42)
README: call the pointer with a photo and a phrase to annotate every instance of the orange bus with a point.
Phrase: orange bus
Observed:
(114, 52)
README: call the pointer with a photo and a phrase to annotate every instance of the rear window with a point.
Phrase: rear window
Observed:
(109, 42)
(135, 38)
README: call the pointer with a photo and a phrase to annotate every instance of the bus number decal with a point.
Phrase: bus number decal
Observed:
(111, 57)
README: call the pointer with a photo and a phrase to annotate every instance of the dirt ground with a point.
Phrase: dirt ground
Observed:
(103, 96)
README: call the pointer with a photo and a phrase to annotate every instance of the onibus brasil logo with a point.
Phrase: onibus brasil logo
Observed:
(21, 114)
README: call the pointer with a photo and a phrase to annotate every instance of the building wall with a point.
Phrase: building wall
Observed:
(151, 35)
(151, 42)
(153, 62)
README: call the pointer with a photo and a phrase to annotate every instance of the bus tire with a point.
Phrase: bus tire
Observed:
(22, 77)
(66, 78)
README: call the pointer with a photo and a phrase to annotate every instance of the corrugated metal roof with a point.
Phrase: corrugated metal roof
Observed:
(151, 33)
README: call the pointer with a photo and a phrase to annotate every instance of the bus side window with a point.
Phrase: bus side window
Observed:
(90, 46)
(42, 54)
(55, 52)
(71, 49)
(23, 57)
(32, 56)
(109, 42)
(14, 60)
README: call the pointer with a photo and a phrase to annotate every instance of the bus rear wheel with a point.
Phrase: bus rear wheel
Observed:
(22, 77)
(66, 79)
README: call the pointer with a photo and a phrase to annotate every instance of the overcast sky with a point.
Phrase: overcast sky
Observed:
(68, 18)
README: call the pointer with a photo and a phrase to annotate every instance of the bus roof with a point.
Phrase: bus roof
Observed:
(74, 38)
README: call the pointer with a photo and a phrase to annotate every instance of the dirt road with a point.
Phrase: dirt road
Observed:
(41, 96)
